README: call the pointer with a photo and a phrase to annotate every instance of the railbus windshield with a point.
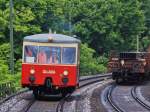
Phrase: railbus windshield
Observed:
(49, 54)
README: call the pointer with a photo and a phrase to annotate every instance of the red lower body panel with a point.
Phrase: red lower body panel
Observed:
(53, 72)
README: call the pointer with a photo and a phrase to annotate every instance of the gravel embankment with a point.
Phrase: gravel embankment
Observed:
(81, 100)
(17, 103)
(96, 102)
(145, 90)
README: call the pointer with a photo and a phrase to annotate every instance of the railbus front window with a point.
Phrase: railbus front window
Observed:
(55, 55)
(68, 55)
(49, 55)
(43, 53)
(30, 54)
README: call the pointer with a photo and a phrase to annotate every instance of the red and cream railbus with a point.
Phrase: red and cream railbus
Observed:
(50, 63)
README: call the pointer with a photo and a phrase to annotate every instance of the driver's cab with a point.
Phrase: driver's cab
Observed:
(50, 53)
(53, 56)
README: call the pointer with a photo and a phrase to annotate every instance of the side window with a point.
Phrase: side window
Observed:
(30, 54)
(68, 55)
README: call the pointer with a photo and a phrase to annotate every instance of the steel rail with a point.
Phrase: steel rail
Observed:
(26, 90)
(13, 95)
(102, 77)
(27, 108)
(109, 98)
(61, 103)
(95, 76)
(134, 95)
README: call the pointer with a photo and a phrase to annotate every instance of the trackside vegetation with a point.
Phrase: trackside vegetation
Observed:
(101, 25)
(89, 65)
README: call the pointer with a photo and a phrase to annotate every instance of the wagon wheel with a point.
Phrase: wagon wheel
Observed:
(124, 80)
(136, 67)
(119, 80)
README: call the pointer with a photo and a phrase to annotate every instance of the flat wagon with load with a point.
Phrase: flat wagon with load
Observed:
(129, 66)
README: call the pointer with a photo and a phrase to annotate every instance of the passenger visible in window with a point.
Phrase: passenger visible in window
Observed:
(53, 58)
(42, 57)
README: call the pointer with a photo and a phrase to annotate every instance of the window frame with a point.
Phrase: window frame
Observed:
(50, 47)
(61, 45)
(75, 55)
(23, 56)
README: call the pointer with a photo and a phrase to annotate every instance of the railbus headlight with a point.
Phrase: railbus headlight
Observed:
(65, 73)
(32, 71)
(122, 62)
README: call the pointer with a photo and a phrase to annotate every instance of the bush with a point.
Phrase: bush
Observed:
(18, 65)
(90, 65)
(5, 52)
(6, 77)
(102, 60)
(16, 80)
(4, 70)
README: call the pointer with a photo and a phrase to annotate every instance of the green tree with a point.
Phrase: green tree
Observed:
(4, 70)
(145, 36)
(88, 64)
(5, 52)
(111, 24)
(102, 24)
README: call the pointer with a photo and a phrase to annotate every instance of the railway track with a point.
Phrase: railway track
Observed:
(13, 95)
(26, 109)
(83, 83)
(110, 100)
(59, 104)
(9, 103)
(125, 99)
(135, 96)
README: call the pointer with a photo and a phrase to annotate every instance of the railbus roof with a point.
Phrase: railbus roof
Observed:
(51, 38)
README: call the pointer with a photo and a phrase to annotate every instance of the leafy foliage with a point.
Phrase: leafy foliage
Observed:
(5, 52)
(6, 77)
(102, 25)
(96, 22)
(116, 22)
(18, 65)
(89, 64)
(4, 70)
